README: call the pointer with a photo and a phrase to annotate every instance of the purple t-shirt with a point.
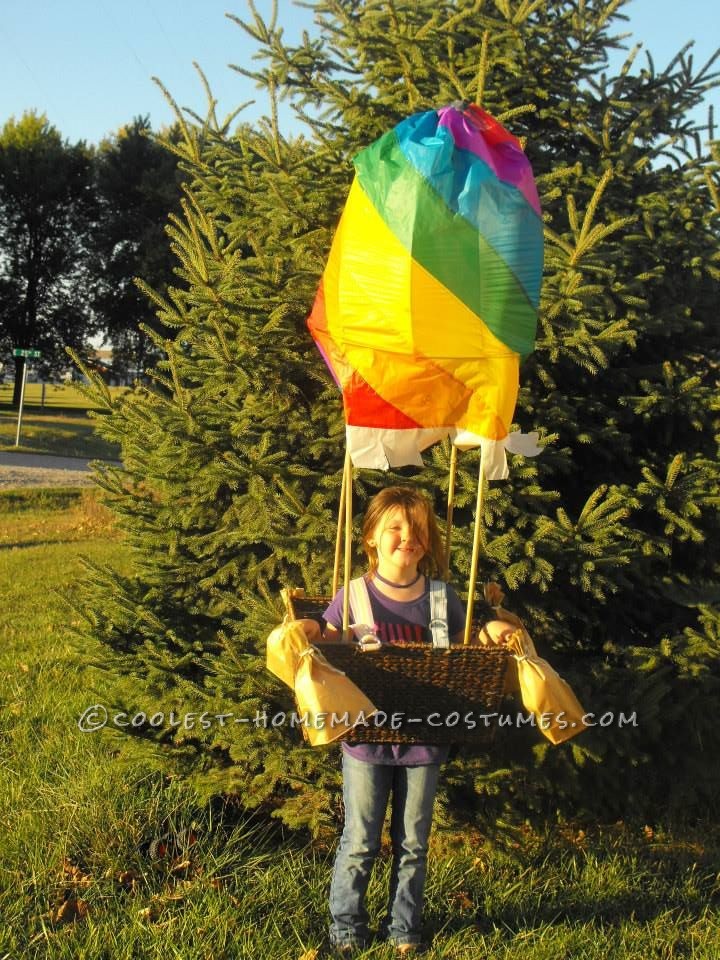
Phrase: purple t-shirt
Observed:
(400, 620)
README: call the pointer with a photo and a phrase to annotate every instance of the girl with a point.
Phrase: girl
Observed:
(403, 545)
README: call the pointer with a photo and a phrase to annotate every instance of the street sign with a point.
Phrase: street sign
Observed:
(28, 355)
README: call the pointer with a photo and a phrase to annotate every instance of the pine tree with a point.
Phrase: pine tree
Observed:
(607, 541)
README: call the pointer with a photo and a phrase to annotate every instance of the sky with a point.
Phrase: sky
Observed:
(88, 64)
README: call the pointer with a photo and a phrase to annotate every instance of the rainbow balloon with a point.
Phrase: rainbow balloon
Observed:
(429, 298)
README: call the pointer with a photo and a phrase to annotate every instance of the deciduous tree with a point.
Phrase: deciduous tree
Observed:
(138, 186)
(47, 206)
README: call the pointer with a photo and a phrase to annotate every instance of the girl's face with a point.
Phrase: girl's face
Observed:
(399, 547)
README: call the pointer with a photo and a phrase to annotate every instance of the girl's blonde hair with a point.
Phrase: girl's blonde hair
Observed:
(419, 513)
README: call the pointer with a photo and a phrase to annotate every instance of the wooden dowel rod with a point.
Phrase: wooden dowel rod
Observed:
(450, 508)
(348, 545)
(479, 511)
(339, 533)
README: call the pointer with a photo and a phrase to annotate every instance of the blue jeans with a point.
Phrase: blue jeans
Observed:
(366, 788)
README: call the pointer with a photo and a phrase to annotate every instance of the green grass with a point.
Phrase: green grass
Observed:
(63, 395)
(77, 811)
(61, 428)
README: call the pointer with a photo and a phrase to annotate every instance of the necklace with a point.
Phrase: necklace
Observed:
(397, 586)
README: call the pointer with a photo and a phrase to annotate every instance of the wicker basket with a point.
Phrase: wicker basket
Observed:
(423, 695)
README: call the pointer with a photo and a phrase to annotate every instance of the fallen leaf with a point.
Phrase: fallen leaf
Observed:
(463, 901)
(150, 913)
(71, 911)
(74, 875)
(128, 879)
(175, 897)
(309, 954)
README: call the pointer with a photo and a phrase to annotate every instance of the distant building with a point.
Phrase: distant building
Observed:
(101, 359)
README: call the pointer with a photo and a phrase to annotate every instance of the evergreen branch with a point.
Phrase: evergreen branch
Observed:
(179, 391)
(516, 112)
(274, 125)
(96, 390)
(593, 205)
(260, 31)
(607, 12)
(220, 334)
(447, 70)
(630, 59)
(595, 235)
(464, 14)
(572, 214)
(189, 140)
(430, 25)
(212, 102)
(157, 338)
(674, 470)
(168, 311)
(558, 241)
(482, 68)
(526, 9)
(712, 189)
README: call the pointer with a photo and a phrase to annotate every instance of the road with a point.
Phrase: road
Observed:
(41, 470)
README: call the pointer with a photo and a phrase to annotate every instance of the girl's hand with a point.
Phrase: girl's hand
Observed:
(496, 633)
(494, 595)
(312, 630)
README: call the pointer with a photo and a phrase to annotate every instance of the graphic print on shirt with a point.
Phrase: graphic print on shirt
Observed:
(401, 632)
(398, 621)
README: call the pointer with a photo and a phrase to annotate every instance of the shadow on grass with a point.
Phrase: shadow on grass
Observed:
(613, 910)
(42, 543)
(39, 498)
(651, 880)
(49, 410)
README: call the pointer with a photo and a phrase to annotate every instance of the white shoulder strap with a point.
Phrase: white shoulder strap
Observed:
(360, 602)
(439, 615)
(362, 610)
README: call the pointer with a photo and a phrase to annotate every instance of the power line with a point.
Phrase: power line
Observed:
(14, 50)
(148, 73)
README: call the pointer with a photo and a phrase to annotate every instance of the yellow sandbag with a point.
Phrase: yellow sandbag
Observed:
(544, 692)
(285, 645)
(332, 703)
(328, 702)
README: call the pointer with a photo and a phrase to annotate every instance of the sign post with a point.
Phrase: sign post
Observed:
(26, 355)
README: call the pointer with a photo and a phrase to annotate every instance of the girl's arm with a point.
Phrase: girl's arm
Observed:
(316, 634)
(331, 634)
(494, 633)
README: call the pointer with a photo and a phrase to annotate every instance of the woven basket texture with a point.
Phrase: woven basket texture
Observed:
(423, 695)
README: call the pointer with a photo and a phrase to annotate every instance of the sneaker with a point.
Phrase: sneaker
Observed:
(410, 949)
(352, 949)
